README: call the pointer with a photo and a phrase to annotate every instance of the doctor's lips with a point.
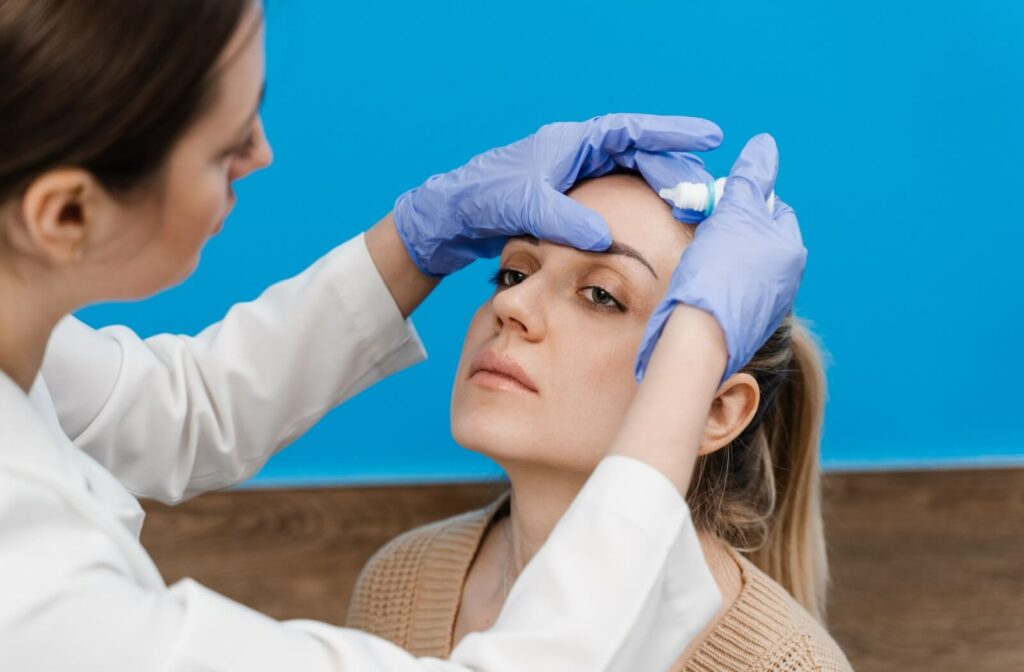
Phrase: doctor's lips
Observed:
(500, 372)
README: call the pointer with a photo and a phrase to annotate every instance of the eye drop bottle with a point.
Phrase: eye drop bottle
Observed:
(702, 197)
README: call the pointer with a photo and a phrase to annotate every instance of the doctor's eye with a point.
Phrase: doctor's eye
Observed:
(507, 277)
(245, 149)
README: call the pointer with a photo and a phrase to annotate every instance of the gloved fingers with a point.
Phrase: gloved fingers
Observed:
(625, 159)
(664, 170)
(781, 208)
(596, 168)
(786, 220)
(752, 177)
(572, 154)
(559, 219)
(615, 133)
(590, 161)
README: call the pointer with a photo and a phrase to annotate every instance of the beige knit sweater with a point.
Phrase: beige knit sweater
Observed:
(410, 590)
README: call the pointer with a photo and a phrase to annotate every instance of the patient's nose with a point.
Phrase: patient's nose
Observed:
(519, 308)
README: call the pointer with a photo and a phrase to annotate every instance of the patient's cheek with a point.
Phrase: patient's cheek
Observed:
(606, 361)
(602, 389)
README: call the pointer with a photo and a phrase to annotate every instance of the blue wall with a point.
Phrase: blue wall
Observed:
(899, 130)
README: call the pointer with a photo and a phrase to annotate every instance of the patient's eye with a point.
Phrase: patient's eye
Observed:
(602, 299)
(597, 298)
(506, 277)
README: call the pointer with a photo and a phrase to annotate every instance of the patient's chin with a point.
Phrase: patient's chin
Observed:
(485, 431)
(519, 440)
(497, 433)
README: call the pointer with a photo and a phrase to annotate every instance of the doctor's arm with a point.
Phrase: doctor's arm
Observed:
(172, 416)
(620, 585)
(406, 283)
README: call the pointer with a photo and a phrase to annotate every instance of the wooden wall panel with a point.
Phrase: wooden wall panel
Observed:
(293, 553)
(928, 567)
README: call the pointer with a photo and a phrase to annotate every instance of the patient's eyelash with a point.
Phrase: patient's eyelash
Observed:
(602, 300)
(500, 277)
(599, 298)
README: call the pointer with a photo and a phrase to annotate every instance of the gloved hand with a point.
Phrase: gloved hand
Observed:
(456, 217)
(664, 170)
(744, 265)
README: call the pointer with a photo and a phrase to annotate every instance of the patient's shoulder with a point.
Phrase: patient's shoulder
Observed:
(803, 642)
(409, 590)
(767, 629)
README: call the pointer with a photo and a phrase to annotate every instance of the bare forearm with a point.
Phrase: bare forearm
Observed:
(665, 424)
(408, 286)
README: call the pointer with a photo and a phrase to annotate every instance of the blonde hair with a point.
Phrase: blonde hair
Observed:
(762, 492)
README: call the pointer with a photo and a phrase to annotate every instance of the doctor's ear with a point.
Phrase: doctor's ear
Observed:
(731, 411)
(59, 212)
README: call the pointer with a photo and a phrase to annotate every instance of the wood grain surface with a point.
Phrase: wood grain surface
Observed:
(926, 566)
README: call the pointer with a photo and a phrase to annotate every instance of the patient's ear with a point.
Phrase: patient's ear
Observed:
(731, 411)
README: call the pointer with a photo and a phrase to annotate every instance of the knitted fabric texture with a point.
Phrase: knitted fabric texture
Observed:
(410, 591)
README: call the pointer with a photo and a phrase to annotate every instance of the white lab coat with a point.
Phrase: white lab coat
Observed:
(621, 584)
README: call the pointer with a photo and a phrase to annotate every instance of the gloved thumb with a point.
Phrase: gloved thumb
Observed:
(564, 221)
(752, 177)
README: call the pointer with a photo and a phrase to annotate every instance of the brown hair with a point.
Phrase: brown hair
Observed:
(104, 85)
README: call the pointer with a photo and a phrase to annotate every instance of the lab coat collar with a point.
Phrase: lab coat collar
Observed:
(26, 443)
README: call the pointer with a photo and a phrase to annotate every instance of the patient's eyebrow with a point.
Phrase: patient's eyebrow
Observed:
(615, 248)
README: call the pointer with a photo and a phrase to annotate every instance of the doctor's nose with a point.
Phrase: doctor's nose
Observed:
(520, 309)
(260, 156)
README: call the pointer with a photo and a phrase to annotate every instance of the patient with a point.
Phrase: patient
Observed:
(544, 381)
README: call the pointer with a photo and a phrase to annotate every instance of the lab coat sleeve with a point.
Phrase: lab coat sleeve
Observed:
(172, 416)
(604, 593)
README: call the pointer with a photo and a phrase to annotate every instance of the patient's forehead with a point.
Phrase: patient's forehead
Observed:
(637, 217)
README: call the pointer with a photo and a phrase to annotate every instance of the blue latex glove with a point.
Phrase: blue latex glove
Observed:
(518, 189)
(744, 265)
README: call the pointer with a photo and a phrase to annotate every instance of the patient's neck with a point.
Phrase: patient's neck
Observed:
(540, 496)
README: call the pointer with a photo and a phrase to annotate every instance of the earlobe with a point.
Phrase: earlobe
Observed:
(731, 411)
(56, 212)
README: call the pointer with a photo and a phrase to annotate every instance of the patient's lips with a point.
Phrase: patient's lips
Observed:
(499, 372)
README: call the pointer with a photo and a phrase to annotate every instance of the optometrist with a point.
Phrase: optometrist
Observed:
(124, 125)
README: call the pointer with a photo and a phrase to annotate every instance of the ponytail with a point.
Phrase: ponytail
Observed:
(794, 552)
(762, 492)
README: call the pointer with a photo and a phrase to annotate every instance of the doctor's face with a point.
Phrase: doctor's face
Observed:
(161, 235)
(546, 372)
